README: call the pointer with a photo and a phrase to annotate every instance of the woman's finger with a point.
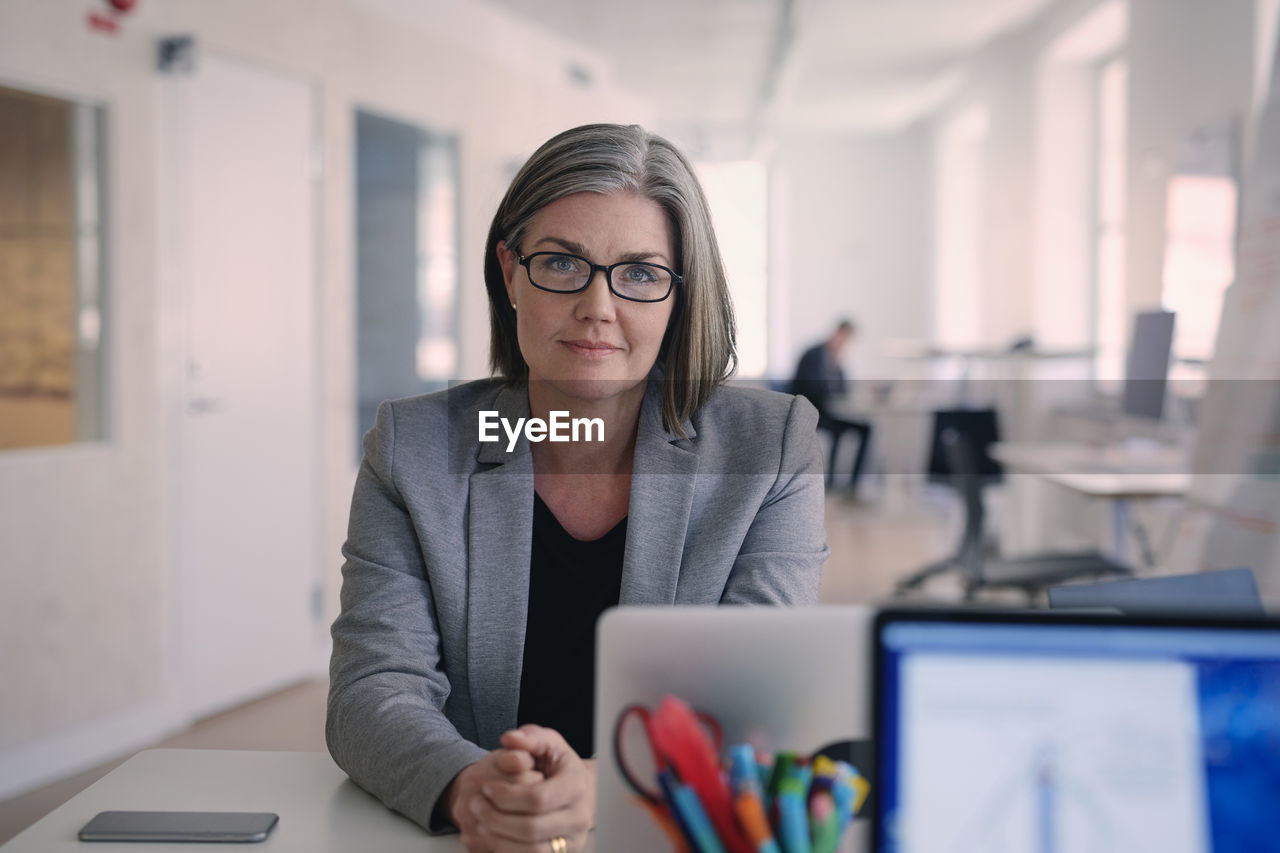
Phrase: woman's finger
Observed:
(528, 829)
(556, 792)
(537, 740)
(513, 762)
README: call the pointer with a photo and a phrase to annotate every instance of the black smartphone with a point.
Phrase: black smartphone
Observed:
(179, 826)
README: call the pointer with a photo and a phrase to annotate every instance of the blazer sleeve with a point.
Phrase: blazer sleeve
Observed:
(385, 724)
(780, 561)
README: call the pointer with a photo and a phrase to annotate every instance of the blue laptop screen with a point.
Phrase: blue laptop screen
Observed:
(1044, 738)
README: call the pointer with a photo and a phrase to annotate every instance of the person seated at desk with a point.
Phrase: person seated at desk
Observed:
(462, 675)
(820, 378)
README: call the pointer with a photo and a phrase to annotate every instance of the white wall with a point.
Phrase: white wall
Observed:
(84, 580)
(855, 241)
(1190, 64)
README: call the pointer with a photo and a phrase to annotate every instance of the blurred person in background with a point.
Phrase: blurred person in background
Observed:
(820, 378)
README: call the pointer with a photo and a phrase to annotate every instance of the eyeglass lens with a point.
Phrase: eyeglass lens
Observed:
(639, 281)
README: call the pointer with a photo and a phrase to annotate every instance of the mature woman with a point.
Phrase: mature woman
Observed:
(462, 672)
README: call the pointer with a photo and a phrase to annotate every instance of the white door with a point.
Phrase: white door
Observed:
(238, 142)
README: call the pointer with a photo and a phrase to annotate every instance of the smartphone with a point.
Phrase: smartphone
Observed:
(179, 826)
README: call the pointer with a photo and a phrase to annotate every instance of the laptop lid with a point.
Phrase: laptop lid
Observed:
(1036, 731)
(1226, 592)
(778, 678)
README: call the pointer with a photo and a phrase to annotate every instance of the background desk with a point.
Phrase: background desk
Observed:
(1106, 473)
(320, 809)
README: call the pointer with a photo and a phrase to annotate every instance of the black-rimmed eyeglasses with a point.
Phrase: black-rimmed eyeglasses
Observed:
(637, 281)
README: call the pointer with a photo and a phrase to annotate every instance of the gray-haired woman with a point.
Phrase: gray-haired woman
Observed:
(478, 559)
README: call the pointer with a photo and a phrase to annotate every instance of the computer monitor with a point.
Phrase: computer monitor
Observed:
(1037, 731)
(1146, 372)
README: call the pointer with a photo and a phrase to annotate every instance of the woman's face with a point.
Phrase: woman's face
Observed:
(591, 345)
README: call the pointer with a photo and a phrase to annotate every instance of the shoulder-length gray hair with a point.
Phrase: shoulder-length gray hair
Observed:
(699, 350)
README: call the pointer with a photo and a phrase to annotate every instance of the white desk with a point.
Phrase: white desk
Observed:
(320, 809)
(1109, 473)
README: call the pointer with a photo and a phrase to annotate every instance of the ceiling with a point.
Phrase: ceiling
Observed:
(745, 67)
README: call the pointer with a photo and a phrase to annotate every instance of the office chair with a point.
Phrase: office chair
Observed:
(969, 473)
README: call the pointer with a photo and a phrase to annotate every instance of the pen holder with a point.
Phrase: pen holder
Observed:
(739, 801)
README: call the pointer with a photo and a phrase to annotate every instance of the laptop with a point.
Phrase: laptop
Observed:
(1226, 592)
(1038, 731)
(778, 678)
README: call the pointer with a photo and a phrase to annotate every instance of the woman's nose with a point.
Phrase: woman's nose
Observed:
(597, 301)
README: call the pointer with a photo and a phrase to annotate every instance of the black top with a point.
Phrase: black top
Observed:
(571, 583)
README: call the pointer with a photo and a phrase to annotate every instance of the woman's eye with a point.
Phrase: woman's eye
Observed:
(558, 264)
(640, 275)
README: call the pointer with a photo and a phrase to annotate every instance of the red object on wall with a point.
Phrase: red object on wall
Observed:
(107, 20)
(101, 23)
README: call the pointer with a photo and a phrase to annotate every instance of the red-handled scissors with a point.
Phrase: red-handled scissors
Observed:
(686, 743)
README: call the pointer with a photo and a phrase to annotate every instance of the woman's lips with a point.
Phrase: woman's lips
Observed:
(591, 349)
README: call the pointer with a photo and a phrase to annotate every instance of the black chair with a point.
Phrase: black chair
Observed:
(968, 475)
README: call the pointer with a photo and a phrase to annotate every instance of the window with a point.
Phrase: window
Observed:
(406, 262)
(737, 194)
(52, 325)
(1110, 312)
(1200, 235)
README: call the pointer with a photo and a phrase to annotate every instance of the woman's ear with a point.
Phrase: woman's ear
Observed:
(507, 260)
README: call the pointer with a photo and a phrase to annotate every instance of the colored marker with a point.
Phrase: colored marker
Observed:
(793, 823)
(754, 822)
(764, 769)
(842, 795)
(743, 773)
(782, 764)
(669, 784)
(850, 792)
(686, 802)
(824, 823)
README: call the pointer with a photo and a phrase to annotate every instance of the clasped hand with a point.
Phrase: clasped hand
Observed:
(520, 798)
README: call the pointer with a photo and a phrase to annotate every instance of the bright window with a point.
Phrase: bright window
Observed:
(737, 192)
(1199, 260)
(52, 322)
(1110, 314)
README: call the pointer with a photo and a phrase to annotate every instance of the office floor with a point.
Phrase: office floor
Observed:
(873, 544)
(290, 720)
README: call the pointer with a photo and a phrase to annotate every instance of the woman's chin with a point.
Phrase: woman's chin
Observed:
(592, 388)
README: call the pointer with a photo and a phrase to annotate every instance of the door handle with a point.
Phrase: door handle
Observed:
(203, 405)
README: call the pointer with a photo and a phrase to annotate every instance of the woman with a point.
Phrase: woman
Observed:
(475, 570)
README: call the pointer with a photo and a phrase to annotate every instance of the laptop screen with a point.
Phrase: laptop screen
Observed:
(1051, 734)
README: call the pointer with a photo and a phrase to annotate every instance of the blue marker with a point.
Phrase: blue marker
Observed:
(685, 802)
(842, 794)
(748, 801)
(669, 784)
(793, 821)
(743, 773)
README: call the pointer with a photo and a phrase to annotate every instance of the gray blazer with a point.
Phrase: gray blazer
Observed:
(427, 651)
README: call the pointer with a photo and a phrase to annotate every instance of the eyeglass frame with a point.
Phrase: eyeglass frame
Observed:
(607, 269)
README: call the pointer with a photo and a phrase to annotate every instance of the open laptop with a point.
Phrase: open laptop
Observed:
(1225, 592)
(1038, 731)
(778, 678)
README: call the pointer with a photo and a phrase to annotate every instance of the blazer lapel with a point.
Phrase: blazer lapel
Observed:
(662, 481)
(499, 539)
